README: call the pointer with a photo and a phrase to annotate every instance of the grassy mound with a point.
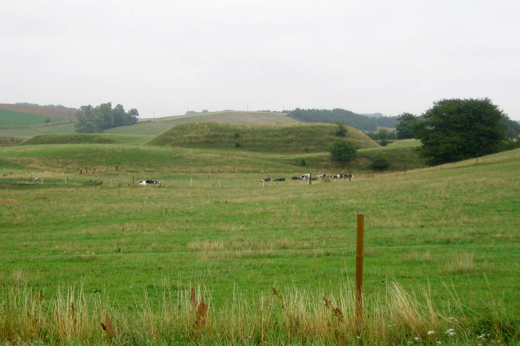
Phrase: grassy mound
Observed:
(269, 139)
(156, 126)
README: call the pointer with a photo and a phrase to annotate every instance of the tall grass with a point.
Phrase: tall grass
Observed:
(295, 316)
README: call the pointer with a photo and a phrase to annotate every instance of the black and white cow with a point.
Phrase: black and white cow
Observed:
(150, 182)
(279, 179)
(265, 180)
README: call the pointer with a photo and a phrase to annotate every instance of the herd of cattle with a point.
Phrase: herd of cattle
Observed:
(308, 177)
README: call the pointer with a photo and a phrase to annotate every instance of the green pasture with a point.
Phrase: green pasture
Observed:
(454, 225)
(87, 139)
(31, 131)
(10, 118)
(86, 224)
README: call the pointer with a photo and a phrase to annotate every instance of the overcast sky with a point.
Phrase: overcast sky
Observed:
(367, 56)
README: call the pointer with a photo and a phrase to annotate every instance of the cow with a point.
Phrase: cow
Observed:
(150, 182)
(265, 180)
(321, 175)
(342, 176)
(305, 176)
(279, 179)
(297, 178)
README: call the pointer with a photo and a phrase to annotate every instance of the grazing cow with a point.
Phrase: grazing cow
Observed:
(297, 178)
(150, 182)
(265, 180)
(321, 175)
(279, 179)
(305, 176)
(342, 176)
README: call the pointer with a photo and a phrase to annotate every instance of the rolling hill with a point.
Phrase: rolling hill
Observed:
(57, 112)
(293, 138)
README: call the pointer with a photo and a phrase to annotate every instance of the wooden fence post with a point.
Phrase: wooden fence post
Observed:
(359, 269)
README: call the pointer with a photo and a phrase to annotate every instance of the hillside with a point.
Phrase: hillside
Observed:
(302, 138)
(98, 138)
(359, 121)
(42, 111)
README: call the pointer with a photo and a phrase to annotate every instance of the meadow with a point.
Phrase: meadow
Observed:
(215, 257)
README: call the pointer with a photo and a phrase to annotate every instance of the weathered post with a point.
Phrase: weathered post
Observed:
(359, 269)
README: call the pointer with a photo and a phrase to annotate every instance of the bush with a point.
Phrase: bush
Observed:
(379, 163)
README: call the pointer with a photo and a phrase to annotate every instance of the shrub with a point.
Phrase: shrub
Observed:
(379, 163)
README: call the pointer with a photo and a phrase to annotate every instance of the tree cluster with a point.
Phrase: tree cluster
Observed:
(102, 117)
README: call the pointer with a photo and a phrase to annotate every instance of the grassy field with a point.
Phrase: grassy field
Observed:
(451, 231)
(11, 118)
(26, 132)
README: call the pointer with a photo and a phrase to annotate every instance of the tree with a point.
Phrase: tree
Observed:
(342, 151)
(459, 129)
(86, 122)
(382, 134)
(119, 115)
(405, 124)
(341, 131)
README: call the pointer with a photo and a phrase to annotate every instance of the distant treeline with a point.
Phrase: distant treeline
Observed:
(103, 117)
(37, 105)
(362, 122)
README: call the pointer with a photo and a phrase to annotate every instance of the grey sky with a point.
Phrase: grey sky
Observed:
(365, 56)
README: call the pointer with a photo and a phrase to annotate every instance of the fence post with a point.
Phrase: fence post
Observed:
(359, 269)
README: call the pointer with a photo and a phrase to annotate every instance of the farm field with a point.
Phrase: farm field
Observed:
(452, 231)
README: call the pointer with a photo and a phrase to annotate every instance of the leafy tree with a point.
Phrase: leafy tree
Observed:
(404, 128)
(459, 129)
(86, 122)
(119, 115)
(104, 115)
(132, 116)
(382, 134)
(342, 151)
(341, 131)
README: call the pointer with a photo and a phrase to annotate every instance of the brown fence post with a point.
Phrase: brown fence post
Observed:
(359, 269)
